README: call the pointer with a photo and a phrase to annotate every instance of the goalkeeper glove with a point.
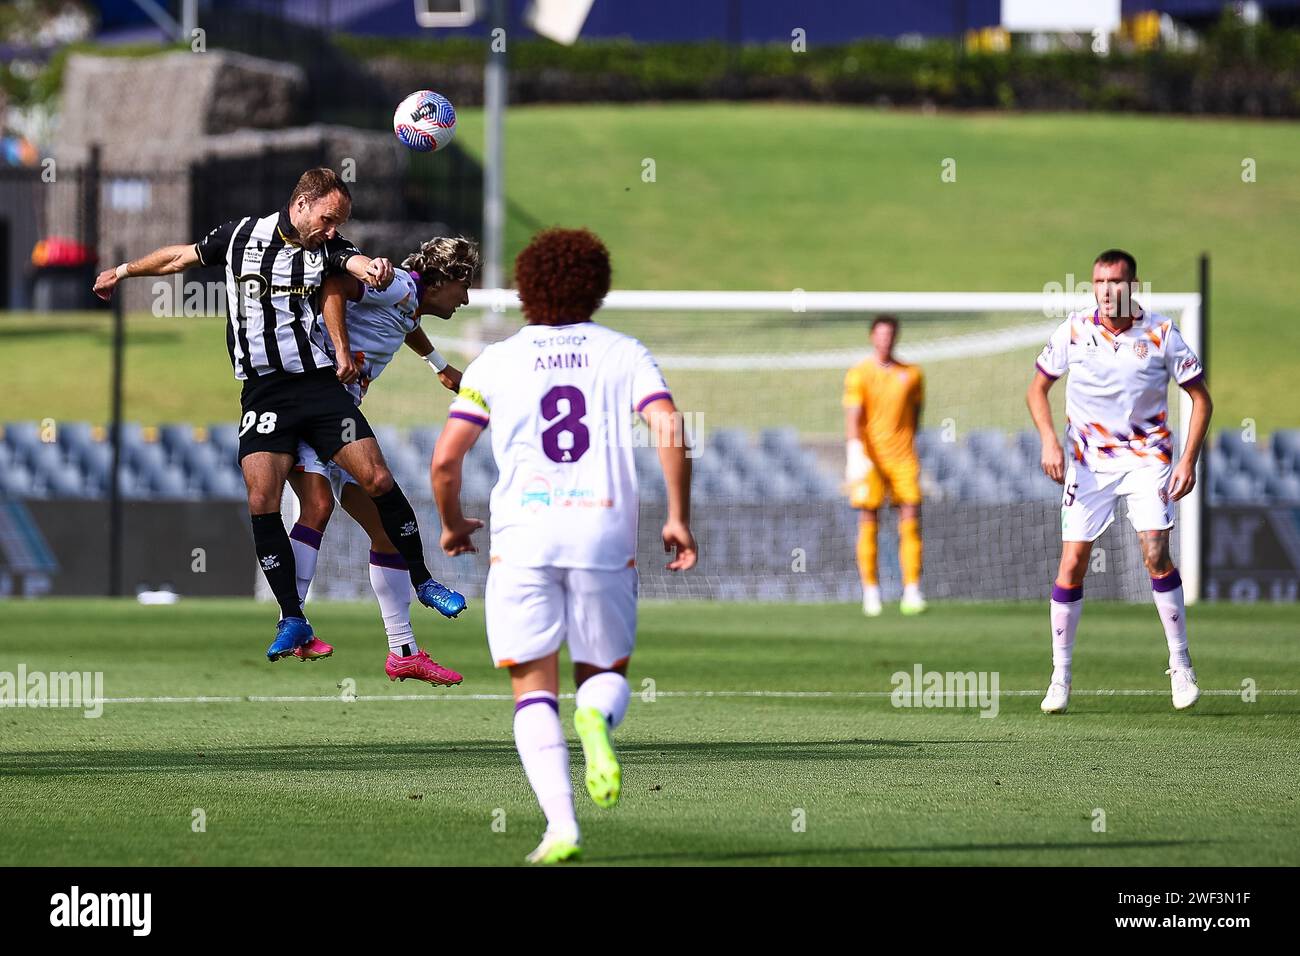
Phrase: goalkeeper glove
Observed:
(857, 465)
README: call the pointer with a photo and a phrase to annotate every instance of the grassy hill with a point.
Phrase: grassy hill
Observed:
(772, 196)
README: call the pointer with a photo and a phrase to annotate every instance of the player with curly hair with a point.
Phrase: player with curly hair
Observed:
(367, 327)
(559, 395)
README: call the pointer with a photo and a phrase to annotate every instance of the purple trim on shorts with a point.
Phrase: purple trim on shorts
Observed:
(308, 536)
(1170, 582)
(394, 561)
(1192, 381)
(1066, 595)
(468, 417)
(1046, 372)
(653, 397)
(521, 704)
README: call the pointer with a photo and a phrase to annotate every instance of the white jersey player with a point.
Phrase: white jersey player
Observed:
(560, 396)
(367, 327)
(1120, 360)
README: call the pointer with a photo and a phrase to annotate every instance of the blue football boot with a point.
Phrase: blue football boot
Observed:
(291, 632)
(442, 599)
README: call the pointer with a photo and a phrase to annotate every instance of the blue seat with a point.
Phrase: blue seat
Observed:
(423, 439)
(987, 445)
(75, 437)
(22, 436)
(66, 484)
(1239, 488)
(1284, 488)
(780, 442)
(169, 483)
(17, 480)
(225, 436)
(1232, 444)
(145, 457)
(1285, 446)
(46, 459)
(176, 439)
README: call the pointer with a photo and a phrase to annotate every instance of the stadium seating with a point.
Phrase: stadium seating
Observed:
(180, 462)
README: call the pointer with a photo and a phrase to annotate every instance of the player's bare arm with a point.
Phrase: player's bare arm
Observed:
(457, 438)
(1183, 479)
(335, 293)
(419, 343)
(670, 439)
(1052, 459)
(376, 273)
(161, 262)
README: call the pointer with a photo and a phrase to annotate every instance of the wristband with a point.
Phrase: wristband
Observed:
(436, 361)
(120, 272)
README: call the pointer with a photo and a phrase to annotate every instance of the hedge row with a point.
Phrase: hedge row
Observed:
(1237, 71)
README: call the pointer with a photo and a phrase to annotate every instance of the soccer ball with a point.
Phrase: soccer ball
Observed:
(425, 121)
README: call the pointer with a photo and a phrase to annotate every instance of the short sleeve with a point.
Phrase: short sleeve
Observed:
(472, 403)
(337, 253)
(1054, 359)
(648, 383)
(211, 249)
(394, 296)
(853, 396)
(1183, 365)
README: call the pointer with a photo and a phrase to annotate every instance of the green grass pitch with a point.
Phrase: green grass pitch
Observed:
(729, 779)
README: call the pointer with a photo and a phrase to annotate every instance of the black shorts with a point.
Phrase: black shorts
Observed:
(281, 410)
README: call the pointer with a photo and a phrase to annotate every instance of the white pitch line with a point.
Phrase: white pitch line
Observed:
(795, 694)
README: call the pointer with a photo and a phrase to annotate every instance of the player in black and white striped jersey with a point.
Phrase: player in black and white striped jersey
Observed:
(275, 266)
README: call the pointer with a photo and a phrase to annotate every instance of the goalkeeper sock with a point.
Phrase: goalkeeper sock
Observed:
(539, 738)
(608, 693)
(1067, 608)
(392, 587)
(305, 542)
(1167, 591)
(398, 519)
(909, 550)
(867, 538)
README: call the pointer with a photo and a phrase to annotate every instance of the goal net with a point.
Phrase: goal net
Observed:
(758, 377)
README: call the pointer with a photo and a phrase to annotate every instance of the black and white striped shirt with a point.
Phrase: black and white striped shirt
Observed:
(273, 293)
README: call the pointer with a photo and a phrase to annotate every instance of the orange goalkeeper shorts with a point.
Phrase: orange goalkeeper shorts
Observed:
(900, 480)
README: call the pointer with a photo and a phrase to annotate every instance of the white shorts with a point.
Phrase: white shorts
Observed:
(1088, 504)
(532, 611)
(310, 462)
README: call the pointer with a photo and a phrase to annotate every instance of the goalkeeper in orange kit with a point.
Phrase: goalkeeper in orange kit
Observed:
(882, 409)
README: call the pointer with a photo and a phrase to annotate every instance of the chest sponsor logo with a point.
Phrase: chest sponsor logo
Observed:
(252, 285)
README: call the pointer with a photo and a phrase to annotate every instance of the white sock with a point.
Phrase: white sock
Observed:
(608, 693)
(305, 542)
(392, 585)
(1066, 609)
(1168, 595)
(539, 738)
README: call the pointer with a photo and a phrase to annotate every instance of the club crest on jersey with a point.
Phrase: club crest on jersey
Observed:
(1140, 349)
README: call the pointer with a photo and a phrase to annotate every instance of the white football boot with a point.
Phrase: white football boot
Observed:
(1182, 680)
(871, 605)
(913, 602)
(1057, 700)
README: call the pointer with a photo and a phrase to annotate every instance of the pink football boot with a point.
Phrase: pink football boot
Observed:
(420, 667)
(313, 650)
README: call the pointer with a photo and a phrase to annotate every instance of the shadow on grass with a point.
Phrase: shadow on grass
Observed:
(826, 854)
(346, 757)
